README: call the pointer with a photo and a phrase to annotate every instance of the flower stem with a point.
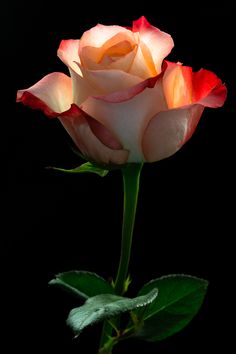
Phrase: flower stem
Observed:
(131, 176)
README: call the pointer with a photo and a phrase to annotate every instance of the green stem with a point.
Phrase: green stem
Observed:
(106, 333)
(131, 175)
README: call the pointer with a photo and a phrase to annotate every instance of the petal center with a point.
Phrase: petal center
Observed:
(119, 49)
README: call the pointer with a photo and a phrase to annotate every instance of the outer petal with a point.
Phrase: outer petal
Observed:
(177, 85)
(208, 89)
(168, 131)
(68, 52)
(125, 95)
(81, 88)
(182, 87)
(158, 42)
(52, 94)
(83, 131)
(127, 120)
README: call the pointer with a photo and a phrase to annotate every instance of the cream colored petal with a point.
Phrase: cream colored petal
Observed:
(139, 66)
(89, 145)
(124, 36)
(128, 120)
(108, 81)
(116, 51)
(123, 63)
(168, 131)
(98, 35)
(158, 42)
(53, 93)
(81, 88)
(92, 59)
(148, 59)
(68, 52)
(95, 58)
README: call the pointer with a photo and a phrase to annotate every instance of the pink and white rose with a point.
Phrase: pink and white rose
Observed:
(123, 103)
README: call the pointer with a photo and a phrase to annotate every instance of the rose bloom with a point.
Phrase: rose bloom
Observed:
(122, 103)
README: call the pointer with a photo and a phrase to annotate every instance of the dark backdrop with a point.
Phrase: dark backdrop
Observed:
(60, 222)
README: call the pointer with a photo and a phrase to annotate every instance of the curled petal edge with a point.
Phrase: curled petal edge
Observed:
(125, 95)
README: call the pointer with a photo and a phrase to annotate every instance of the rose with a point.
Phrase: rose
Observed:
(122, 103)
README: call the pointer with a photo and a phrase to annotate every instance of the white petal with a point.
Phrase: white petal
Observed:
(128, 120)
(108, 81)
(158, 42)
(81, 88)
(89, 144)
(168, 131)
(68, 52)
(54, 91)
(98, 35)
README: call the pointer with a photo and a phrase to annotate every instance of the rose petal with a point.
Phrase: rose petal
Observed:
(216, 98)
(124, 95)
(208, 89)
(182, 87)
(52, 94)
(68, 52)
(127, 120)
(148, 59)
(123, 36)
(177, 85)
(139, 66)
(168, 131)
(76, 124)
(103, 134)
(108, 81)
(81, 88)
(92, 59)
(123, 63)
(98, 35)
(117, 50)
(158, 42)
(95, 58)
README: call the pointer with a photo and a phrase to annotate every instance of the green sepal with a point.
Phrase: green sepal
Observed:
(87, 167)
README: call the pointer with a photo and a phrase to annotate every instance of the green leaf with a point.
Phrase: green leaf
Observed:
(179, 300)
(105, 306)
(82, 284)
(87, 167)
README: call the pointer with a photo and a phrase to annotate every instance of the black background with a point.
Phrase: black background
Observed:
(61, 222)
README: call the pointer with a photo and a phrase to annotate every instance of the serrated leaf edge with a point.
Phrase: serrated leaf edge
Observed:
(177, 299)
(152, 296)
(60, 282)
